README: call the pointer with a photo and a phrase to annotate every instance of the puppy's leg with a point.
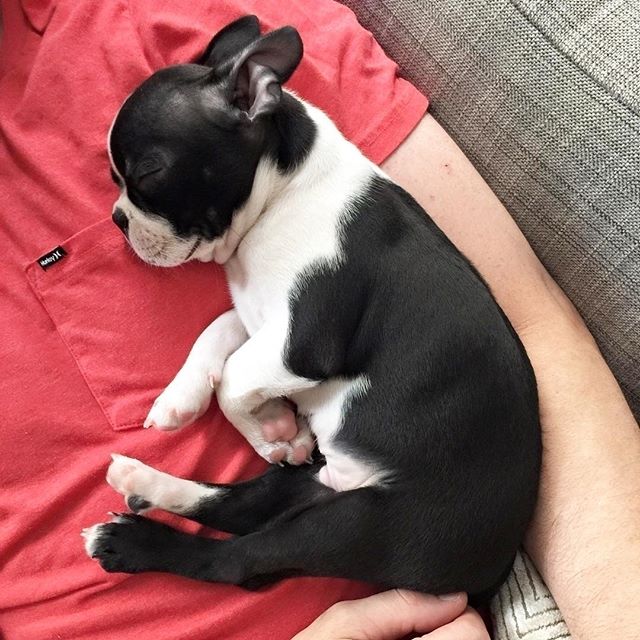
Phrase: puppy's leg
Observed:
(237, 508)
(349, 535)
(254, 375)
(147, 488)
(188, 395)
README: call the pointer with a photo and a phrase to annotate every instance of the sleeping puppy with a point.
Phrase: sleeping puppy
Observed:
(350, 302)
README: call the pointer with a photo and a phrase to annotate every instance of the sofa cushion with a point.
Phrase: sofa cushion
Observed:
(544, 97)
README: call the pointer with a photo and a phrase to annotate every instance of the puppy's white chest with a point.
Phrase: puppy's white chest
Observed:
(255, 298)
(288, 240)
(297, 230)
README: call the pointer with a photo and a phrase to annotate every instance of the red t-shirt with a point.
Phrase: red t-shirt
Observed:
(87, 344)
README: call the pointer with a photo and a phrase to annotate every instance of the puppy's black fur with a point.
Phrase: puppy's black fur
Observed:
(452, 409)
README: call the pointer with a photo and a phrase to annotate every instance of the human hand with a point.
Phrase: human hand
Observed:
(395, 614)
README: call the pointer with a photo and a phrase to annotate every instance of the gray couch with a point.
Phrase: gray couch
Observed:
(544, 97)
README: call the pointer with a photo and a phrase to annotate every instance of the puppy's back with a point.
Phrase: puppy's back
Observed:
(450, 413)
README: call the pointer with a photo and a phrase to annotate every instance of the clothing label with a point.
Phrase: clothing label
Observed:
(49, 259)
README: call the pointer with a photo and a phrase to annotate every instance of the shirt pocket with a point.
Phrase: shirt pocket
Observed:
(128, 326)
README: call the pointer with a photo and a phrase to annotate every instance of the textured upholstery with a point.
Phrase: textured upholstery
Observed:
(544, 97)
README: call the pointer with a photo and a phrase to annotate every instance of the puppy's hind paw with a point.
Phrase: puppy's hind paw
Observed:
(131, 544)
(134, 480)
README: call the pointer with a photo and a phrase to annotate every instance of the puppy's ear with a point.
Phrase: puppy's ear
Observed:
(229, 43)
(256, 78)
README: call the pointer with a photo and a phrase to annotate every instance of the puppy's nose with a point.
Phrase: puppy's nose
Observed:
(121, 220)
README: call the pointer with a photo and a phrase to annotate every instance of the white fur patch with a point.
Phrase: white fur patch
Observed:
(130, 477)
(325, 407)
(153, 238)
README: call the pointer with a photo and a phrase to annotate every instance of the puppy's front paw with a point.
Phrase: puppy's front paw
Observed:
(180, 404)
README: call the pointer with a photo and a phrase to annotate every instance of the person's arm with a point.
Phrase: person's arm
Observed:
(585, 538)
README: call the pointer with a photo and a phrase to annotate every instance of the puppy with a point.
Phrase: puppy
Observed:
(350, 302)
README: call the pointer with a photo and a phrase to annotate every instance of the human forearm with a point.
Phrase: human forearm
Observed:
(585, 535)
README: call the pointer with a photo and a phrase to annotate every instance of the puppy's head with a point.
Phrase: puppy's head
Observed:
(185, 145)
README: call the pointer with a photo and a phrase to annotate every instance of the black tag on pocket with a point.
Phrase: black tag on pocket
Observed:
(49, 259)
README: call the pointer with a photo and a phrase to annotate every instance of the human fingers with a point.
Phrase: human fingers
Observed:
(469, 626)
(385, 616)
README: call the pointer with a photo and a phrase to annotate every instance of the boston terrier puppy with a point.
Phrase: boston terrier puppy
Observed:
(349, 302)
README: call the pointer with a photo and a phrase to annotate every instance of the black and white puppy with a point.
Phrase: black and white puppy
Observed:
(348, 301)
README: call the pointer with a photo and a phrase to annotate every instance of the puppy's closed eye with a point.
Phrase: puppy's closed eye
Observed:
(146, 169)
